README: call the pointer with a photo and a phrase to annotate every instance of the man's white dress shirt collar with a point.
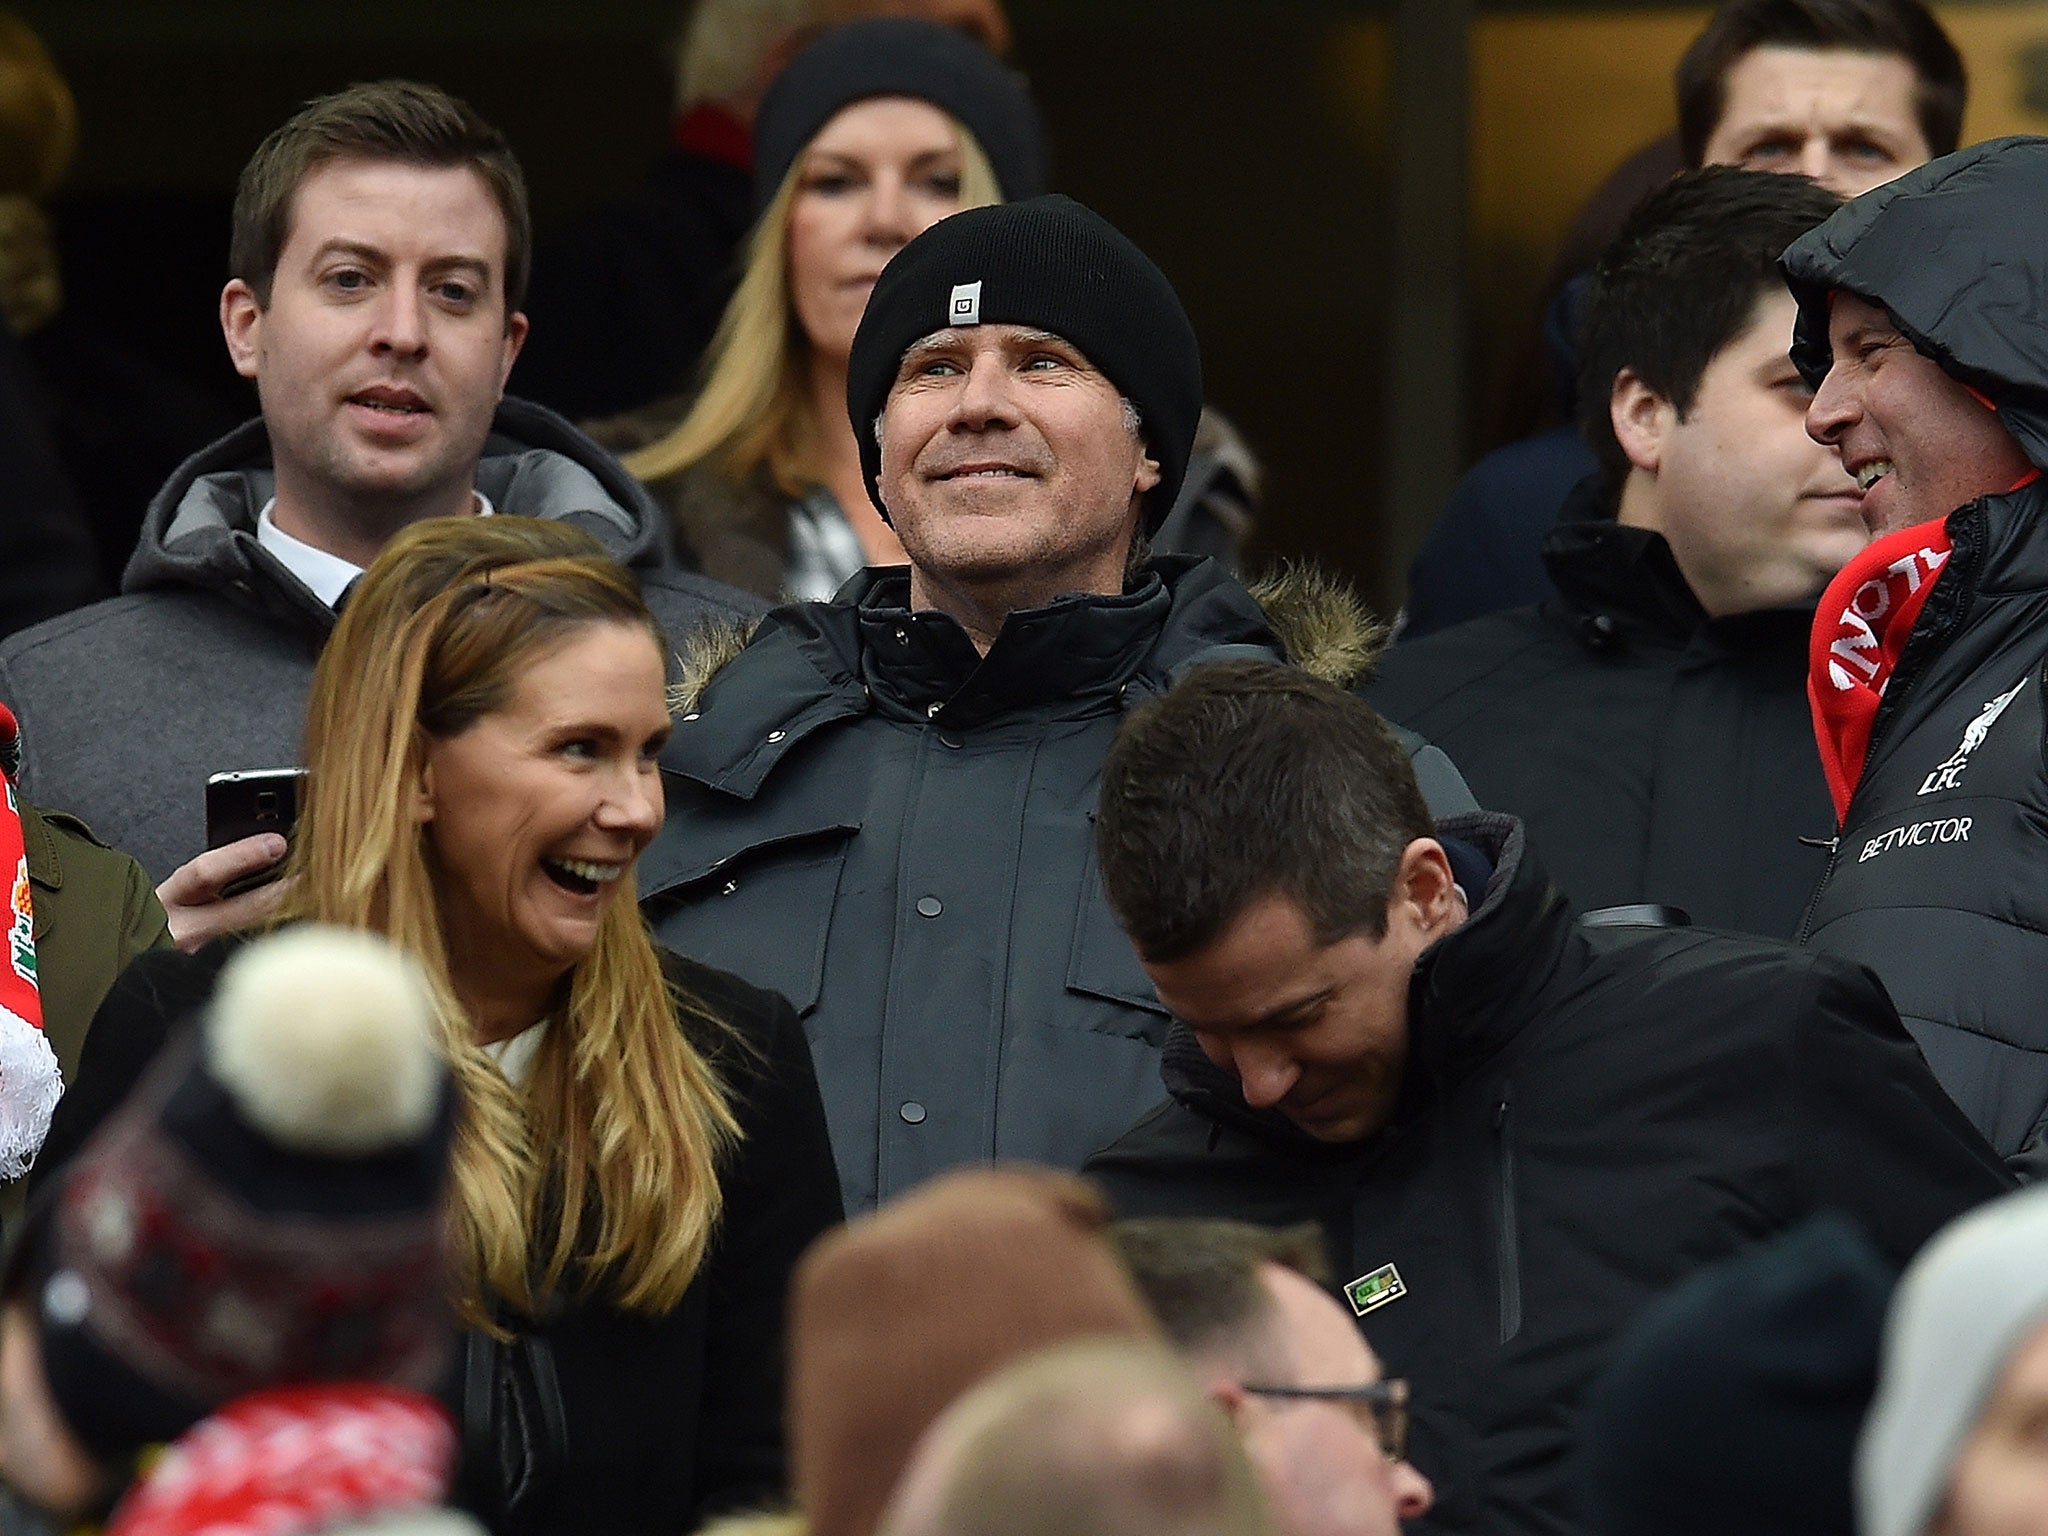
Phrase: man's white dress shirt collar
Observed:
(326, 576)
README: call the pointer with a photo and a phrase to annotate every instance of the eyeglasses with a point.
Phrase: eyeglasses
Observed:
(1384, 1404)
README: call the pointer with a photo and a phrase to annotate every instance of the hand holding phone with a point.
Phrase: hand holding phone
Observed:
(196, 897)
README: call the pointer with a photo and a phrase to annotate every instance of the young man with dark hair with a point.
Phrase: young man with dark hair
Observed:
(379, 255)
(1514, 1129)
(1649, 724)
(1848, 92)
(1247, 1309)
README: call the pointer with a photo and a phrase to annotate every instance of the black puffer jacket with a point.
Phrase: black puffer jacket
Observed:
(1588, 1115)
(895, 833)
(1939, 881)
(1653, 753)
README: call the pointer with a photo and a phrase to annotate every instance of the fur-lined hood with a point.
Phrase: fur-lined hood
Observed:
(1323, 625)
(1326, 627)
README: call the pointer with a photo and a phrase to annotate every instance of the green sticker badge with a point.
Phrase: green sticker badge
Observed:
(1375, 1290)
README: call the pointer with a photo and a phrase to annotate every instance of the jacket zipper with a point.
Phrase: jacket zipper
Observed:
(1887, 712)
(1510, 1249)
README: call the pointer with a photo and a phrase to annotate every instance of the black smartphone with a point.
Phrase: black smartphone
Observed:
(248, 801)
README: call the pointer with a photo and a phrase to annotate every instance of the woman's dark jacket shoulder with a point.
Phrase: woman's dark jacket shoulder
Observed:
(148, 1002)
(756, 1046)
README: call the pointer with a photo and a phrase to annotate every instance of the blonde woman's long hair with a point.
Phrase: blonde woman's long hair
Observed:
(754, 410)
(601, 1174)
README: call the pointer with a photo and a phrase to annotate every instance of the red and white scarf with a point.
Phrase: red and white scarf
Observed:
(293, 1461)
(1859, 630)
(30, 1083)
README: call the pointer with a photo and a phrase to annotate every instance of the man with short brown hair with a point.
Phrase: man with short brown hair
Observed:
(1649, 723)
(379, 254)
(1515, 1130)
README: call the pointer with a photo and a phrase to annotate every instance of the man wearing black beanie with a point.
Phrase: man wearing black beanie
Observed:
(880, 805)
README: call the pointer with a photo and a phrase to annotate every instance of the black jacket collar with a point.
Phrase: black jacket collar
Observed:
(1601, 566)
(2006, 539)
(814, 664)
(1472, 993)
(1998, 547)
(1077, 651)
(1619, 583)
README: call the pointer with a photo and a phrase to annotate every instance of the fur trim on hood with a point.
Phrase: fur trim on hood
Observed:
(1328, 631)
(704, 653)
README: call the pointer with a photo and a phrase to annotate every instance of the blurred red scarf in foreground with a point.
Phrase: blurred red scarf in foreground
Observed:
(30, 1083)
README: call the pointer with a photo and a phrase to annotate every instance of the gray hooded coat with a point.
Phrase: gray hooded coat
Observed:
(896, 833)
(202, 664)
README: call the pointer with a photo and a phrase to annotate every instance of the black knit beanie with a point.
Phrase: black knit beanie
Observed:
(1734, 1402)
(900, 56)
(1056, 266)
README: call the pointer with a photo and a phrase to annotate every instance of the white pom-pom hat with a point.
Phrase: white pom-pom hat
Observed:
(324, 1036)
(267, 1208)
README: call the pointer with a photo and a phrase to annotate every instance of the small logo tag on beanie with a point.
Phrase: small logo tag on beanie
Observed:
(965, 308)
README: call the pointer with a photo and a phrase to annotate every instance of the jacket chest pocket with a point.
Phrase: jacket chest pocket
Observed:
(1103, 967)
(760, 909)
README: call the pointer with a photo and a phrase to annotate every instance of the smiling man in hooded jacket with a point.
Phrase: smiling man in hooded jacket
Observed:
(880, 806)
(1921, 331)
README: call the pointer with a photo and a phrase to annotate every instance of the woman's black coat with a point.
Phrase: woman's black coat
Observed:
(668, 1419)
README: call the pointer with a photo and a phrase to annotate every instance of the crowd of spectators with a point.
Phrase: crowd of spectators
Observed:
(808, 956)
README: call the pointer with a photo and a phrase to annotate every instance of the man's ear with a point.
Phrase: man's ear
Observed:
(1425, 897)
(1642, 419)
(515, 338)
(1148, 470)
(241, 323)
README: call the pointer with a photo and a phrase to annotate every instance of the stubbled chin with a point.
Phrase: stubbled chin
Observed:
(1885, 513)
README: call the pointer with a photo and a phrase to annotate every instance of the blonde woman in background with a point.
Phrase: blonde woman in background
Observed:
(641, 1153)
(873, 133)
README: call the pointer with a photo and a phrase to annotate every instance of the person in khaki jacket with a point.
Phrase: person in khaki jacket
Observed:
(94, 912)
